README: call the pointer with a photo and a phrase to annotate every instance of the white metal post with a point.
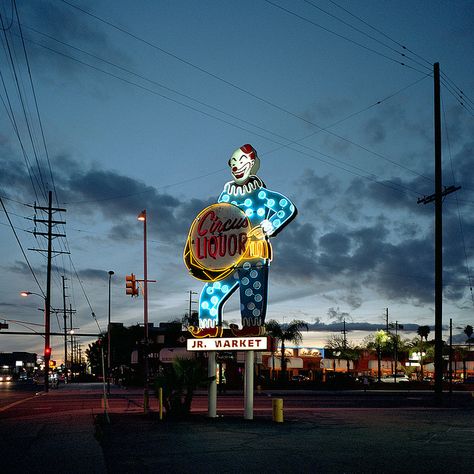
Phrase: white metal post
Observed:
(248, 384)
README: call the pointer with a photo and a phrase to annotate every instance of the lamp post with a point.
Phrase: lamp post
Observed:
(142, 217)
(108, 339)
(47, 348)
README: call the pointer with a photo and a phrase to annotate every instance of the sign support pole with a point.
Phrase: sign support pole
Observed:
(248, 385)
(212, 394)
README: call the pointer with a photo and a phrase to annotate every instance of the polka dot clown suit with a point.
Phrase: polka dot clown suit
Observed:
(268, 212)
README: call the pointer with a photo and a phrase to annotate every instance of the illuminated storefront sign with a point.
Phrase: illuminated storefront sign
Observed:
(228, 247)
(228, 344)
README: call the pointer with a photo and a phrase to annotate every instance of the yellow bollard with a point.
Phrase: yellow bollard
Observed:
(277, 410)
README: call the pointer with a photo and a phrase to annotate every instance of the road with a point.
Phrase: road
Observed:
(352, 432)
(28, 401)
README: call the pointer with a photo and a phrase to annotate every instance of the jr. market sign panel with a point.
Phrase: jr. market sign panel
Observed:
(228, 344)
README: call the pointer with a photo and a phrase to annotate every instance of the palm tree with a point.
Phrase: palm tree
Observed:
(468, 330)
(345, 350)
(286, 333)
(423, 332)
(378, 342)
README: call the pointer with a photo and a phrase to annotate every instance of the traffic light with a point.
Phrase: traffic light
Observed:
(47, 351)
(131, 285)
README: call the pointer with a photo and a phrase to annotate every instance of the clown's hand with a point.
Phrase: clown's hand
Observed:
(267, 227)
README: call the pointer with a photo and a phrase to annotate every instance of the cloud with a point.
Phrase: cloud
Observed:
(68, 25)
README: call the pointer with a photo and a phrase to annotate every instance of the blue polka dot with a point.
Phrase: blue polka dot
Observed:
(217, 285)
(258, 298)
(248, 212)
(283, 202)
(225, 289)
(247, 266)
(248, 202)
(251, 306)
(248, 292)
(210, 290)
(225, 198)
(245, 281)
(253, 274)
(276, 223)
(271, 202)
(257, 285)
(262, 194)
(204, 305)
(213, 312)
(292, 208)
(214, 300)
(234, 203)
(256, 312)
(261, 211)
(281, 214)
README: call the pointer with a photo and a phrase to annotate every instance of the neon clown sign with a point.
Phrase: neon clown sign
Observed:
(228, 247)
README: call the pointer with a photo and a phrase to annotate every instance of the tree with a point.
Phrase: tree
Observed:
(178, 383)
(423, 332)
(286, 333)
(380, 342)
(345, 350)
(468, 330)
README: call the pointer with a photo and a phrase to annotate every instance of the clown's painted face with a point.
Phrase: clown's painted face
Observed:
(242, 166)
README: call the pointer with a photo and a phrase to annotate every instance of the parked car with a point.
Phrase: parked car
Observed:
(395, 378)
(299, 378)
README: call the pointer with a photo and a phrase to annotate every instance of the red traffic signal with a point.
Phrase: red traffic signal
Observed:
(47, 351)
(131, 285)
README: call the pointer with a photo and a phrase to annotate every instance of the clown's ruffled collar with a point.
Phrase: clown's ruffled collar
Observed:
(234, 189)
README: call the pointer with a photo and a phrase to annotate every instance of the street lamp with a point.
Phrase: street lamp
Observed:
(108, 339)
(142, 217)
(47, 348)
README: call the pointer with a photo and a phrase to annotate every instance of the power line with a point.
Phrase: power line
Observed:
(219, 78)
(21, 246)
(23, 106)
(303, 18)
(404, 55)
(463, 240)
(429, 63)
(393, 185)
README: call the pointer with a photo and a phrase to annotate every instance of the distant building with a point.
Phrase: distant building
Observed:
(14, 363)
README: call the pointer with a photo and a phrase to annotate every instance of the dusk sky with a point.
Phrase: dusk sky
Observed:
(139, 105)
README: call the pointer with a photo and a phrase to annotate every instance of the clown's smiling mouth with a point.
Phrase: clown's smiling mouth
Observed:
(240, 172)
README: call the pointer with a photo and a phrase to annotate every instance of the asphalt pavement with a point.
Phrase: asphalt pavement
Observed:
(318, 438)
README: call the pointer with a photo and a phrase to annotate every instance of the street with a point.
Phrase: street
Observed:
(322, 432)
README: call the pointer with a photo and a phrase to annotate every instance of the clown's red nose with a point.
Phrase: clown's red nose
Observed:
(234, 168)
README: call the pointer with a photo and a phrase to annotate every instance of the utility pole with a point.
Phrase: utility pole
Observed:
(71, 334)
(438, 198)
(344, 332)
(191, 293)
(109, 338)
(386, 320)
(50, 223)
(65, 329)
